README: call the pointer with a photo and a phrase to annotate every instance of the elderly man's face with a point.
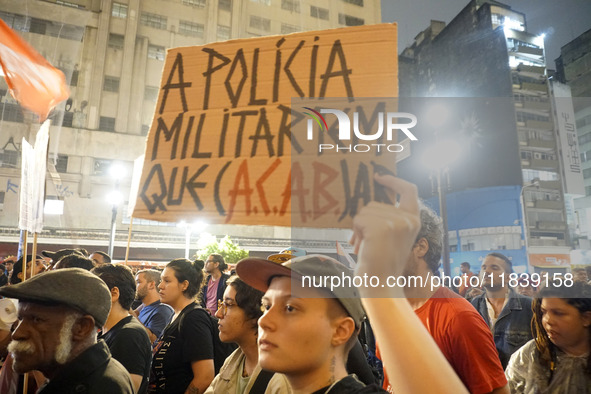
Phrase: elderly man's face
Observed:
(41, 340)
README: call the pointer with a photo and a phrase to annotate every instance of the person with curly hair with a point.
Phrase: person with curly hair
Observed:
(557, 360)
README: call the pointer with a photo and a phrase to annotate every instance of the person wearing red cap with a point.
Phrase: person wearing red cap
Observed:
(306, 333)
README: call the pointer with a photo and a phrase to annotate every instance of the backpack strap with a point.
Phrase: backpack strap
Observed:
(261, 382)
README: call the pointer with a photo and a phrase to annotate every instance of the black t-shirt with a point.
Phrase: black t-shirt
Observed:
(350, 384)
(185, 340)
(129, 344)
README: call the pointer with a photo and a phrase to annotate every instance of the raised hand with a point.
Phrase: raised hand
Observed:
(384, 234)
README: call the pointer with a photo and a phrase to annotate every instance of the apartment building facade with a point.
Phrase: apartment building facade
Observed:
(112, 54)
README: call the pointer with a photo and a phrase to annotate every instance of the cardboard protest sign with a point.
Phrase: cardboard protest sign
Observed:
(226, 145)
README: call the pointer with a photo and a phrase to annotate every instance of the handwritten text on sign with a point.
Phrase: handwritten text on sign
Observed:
(225, 145)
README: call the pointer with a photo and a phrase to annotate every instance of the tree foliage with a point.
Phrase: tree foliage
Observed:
(231, 252)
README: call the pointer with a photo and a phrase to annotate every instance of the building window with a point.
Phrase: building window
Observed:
(290, 5)
(154, 20)
(191, 29)
(68, 4)
(356, 2)
(584, 121)
(195, 3)
(585, 138)
(287, 28)
(225, 5)
(349, 20)
(119, 10)
(68, 118)
(320, 13)
(111, 84)
(74, 78)
(257, 22)
(151, 93)
(102, 166)
(107, 124)
(116, 41)
(38, 26)
(61, 164)
(223, 32)
(12, 113)
(9, 158)
(16, 22)
(156, 52)
(68, 32)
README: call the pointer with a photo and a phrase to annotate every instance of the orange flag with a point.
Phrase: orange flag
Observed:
(33, 81)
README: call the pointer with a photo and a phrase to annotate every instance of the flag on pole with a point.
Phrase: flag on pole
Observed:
(32, 80)
(344, 257)
(32, 191)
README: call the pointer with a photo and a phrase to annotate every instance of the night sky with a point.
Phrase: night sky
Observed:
(561, 20)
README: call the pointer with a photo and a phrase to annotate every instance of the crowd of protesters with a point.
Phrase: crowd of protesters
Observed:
(76, 322)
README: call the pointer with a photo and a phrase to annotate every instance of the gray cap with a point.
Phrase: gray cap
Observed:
(73, 287)
(258, 273)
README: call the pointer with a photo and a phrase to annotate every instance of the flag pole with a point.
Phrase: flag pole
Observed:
(34, 254)
(24, 272)
(128, 240)
(24, 264)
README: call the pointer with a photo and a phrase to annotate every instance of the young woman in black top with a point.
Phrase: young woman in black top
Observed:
(183, 357)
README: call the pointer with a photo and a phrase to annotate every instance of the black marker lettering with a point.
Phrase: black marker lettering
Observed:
(235, 96)
(253, 81)
(263, 124)
(196, 154)
(337, 50)
(181, 85)
(210, 70)
(168, 133)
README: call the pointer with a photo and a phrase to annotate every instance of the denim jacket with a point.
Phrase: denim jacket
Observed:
(513, 327)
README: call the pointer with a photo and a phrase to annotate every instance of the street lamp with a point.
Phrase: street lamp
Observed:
(117, 172)
(197, 226)
(438, 158)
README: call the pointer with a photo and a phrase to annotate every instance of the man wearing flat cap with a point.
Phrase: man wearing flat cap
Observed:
(59, 313)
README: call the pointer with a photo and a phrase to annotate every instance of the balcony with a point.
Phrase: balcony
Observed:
(540, 164)
(542, 144)
(537, 70)
(552, 226)
(546, 242)
(548, 204)
(537, 105)
(529, 50)
(539, 125)
(537, 87)
(554, 185)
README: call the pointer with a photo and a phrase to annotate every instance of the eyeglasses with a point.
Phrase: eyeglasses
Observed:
(223, 306)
